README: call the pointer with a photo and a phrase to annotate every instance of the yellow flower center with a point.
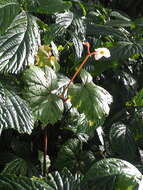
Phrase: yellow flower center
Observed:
(102, 52)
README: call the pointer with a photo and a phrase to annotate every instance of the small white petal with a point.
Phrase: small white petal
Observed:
(102, 52)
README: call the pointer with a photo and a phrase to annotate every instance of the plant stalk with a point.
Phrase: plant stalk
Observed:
(78, 70)
(45, 151)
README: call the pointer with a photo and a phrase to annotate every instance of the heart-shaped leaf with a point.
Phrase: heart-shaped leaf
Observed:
(41, 83)
(90, 99)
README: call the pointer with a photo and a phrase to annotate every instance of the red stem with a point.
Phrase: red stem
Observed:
(78, 70)
(45, 151)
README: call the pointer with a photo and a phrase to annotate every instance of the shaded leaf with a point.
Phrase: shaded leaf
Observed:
(14, 111)
(41, 83)
(125, 49)
(127, 175)
(93, 29)
(19, 44)
(69, 154)
(122, 142)
(50, 7)
(20, 167)
(8, 10)
(136, 100)
(73, 157)
(9, 182)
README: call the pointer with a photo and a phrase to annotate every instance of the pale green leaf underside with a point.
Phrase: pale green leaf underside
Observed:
(46, 105)
(90, 99)
(19, 44)
(9, 182)
(14, 112)
(8, 10)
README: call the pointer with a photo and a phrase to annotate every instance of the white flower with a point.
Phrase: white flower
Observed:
(101, 52)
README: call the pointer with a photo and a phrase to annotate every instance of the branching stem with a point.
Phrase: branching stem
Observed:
(78, 70)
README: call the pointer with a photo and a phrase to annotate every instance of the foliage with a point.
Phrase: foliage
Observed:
(62, 126)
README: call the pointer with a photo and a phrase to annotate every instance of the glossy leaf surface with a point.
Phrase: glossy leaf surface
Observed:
(90, 99)
(41, 83)
(14, 111)
(19, 44)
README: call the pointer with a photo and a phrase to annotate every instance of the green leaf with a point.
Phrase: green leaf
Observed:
(78, 45)
(9, 182)
(136, 100)
(68, 154)
(50, 7)
(119, 23)
(64, 19)
(78, 35)
(90, 99)
(21, 167)
(73, 157)
(8, 10)
(41, 83)
(14, 111)
(64, 180)
(19, 44)
(125, 49)
(122, 142)
(127, 175)
(93, 29)
(119, 16)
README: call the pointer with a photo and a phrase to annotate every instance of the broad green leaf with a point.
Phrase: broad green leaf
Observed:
(122, 142)
(20, 167)
(50, 7)
(14, 111)
(8, 10)
(69, 154)
(41, 83)
(78, 35)
(90, 99)
(64, 19)
(136, 123)
(78, 45)
(127, 175)
(125, 49)
(119, 23)
(64, 180)
(94, 29)
(19, 44)
(11, 182)
(73, 157)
